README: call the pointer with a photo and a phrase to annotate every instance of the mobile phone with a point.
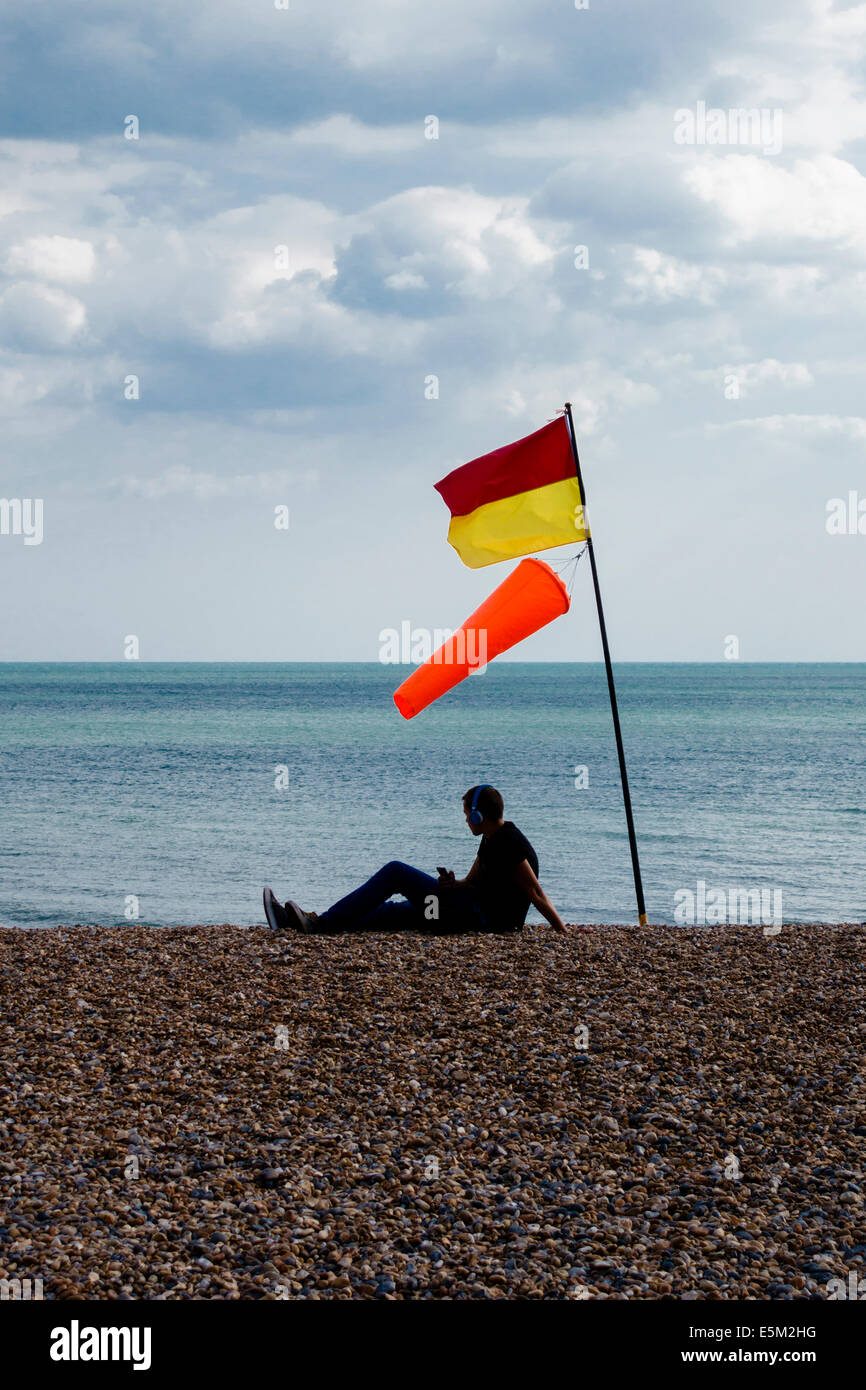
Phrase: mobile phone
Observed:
(440, 870)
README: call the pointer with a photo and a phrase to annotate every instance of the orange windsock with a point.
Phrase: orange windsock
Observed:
(531, 596)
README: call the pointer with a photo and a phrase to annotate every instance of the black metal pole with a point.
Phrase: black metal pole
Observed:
(632, 839)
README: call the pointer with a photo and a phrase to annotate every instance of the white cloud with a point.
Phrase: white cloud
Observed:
(179, 479)
(598, 393)
(34, 317)
(300, 314)
(405, 280)
(18, 389)
(751, 376)
(658, 278)
(818, 200)
(852, 427)
(454, 240)
(66, 259)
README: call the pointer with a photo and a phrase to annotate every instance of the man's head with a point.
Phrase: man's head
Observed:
(488, 806)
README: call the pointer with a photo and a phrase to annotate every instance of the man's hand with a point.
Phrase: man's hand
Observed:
(525, 876)
(446, 876)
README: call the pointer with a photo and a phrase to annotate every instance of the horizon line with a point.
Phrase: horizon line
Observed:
(343, 661)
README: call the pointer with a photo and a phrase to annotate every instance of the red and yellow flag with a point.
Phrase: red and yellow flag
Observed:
(521, 498)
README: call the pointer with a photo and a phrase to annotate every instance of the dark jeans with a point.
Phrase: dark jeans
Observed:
(368, 908)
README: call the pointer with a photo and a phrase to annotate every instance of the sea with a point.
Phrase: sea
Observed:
(169, 794)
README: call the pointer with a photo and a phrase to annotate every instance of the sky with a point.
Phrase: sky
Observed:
(262, 263)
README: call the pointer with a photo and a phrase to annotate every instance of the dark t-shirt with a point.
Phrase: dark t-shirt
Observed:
(504, 903)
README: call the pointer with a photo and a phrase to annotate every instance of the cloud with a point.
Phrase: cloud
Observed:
(597, 392)
(657, 278)
(405, 280)
(753, 376)
(38, 318)
(62, 383)
(820, 200)
(285, 261)
(179, 480)
(851, 427)
(216, 69)
(66, 259)
(359, 139)
(448, 244)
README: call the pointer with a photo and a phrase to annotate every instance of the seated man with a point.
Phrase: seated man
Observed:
(494, 896)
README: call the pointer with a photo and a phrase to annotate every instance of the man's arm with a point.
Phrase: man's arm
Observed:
(524, 876)
(448, 877)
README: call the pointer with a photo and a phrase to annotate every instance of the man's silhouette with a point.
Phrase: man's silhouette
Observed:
(494, 896)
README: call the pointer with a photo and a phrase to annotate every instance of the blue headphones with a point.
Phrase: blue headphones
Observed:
(475, 816)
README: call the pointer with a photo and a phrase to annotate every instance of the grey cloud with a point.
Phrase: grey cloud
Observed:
(209, 70)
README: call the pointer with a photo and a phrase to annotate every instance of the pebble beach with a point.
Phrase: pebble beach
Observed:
(226, 1113)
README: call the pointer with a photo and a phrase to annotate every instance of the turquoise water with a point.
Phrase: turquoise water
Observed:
(157, 781)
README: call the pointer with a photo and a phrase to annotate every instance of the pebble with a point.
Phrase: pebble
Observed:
(222, 1112)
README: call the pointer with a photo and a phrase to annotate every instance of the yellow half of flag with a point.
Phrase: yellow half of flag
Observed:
(535, 520)
(521, 498)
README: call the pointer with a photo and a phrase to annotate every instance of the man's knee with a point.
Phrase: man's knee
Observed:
(393, 866)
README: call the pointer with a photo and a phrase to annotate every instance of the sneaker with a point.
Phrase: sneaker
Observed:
(277, 917)
(298, 919)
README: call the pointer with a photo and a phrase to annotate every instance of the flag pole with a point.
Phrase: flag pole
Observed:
(632, 839)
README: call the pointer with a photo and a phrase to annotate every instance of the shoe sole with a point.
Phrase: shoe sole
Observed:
(268, 901)
(300, 920)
